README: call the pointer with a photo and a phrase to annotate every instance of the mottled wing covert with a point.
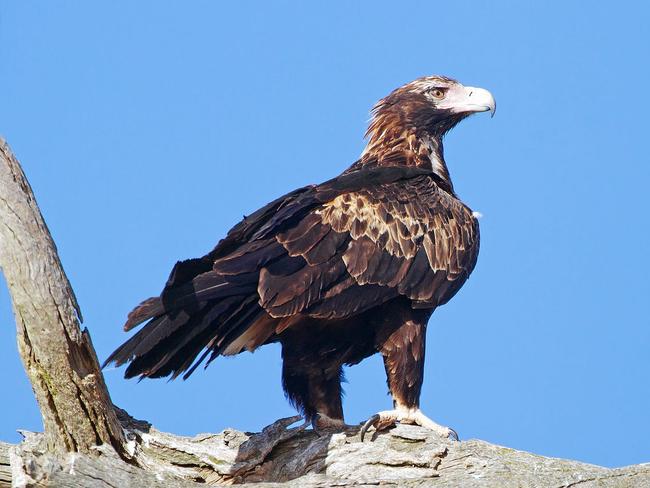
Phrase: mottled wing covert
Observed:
(364, 247)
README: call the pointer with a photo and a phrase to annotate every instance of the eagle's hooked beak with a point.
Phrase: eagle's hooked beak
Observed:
(477, 100)
(469, 99)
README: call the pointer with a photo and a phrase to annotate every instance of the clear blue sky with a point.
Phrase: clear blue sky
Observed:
(148, 128)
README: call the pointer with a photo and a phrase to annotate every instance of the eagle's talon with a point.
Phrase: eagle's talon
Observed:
(380, 421)
(369, 423)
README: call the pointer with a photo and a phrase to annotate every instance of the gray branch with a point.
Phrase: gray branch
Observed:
(59, 358)
(281, 456)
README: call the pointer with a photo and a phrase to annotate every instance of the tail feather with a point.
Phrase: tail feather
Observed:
(184, 271)
(205, 313)
(205, 329)
(249, 312)
(206, 286)
(180, 285)
(218, 343)
(160, 360)
(170, 356)
(200, 288)
(152, 334)
(205, 306)
(149, 308)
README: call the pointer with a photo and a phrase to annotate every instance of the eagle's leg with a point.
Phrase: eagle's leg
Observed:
(403, 351)
(315, 390)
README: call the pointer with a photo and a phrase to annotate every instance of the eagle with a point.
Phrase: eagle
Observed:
(334, 272)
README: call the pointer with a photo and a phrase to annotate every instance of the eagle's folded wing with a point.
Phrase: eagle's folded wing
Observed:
(365, 247)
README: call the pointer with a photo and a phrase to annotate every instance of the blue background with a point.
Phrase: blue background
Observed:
(148, 128)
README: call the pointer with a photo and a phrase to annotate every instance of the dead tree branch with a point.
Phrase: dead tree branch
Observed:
(58, 357)
(407, 456)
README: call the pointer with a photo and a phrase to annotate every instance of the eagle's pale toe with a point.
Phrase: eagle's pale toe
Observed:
(388, 418)
(417, 417)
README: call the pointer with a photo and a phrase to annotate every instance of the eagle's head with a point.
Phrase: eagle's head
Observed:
(433, 104)
(408, 125)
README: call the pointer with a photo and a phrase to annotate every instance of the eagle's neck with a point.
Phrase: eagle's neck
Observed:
(390, 145)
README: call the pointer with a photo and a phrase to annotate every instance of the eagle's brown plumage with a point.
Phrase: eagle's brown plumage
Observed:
(334, 272)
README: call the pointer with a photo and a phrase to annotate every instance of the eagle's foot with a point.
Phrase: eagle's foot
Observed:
(322, 422)
(388, 418)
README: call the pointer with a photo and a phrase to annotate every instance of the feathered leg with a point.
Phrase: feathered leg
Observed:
(314, 389)
(403, 350)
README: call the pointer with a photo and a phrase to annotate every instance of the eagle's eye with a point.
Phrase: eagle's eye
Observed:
(437, 93)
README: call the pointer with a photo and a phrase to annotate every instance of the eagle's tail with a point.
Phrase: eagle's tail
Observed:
(199, 309)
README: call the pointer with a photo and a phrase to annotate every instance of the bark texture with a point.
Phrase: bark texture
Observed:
(294, 457)
(58, 357)
(5, 465)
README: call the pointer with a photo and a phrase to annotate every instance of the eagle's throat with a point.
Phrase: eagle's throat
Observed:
(403, 147)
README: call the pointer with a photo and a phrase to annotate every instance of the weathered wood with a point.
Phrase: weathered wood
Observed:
(294, 457)
(5, 466)
(58, 357)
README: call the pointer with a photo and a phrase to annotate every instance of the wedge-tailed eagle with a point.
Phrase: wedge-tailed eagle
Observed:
(334, 272)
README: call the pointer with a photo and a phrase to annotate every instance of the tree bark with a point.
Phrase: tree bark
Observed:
(58, 357)
(406, 456)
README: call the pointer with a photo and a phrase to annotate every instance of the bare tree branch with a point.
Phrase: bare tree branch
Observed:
(407, 456)
(58, 357)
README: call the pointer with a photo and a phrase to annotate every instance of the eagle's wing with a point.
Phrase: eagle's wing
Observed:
(326, 251)
(362, 248)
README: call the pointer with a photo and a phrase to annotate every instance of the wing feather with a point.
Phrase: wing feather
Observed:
(411, 235)
(360, 248)
(329, 251)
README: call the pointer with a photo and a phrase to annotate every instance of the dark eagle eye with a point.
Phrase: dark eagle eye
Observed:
(437, 93)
